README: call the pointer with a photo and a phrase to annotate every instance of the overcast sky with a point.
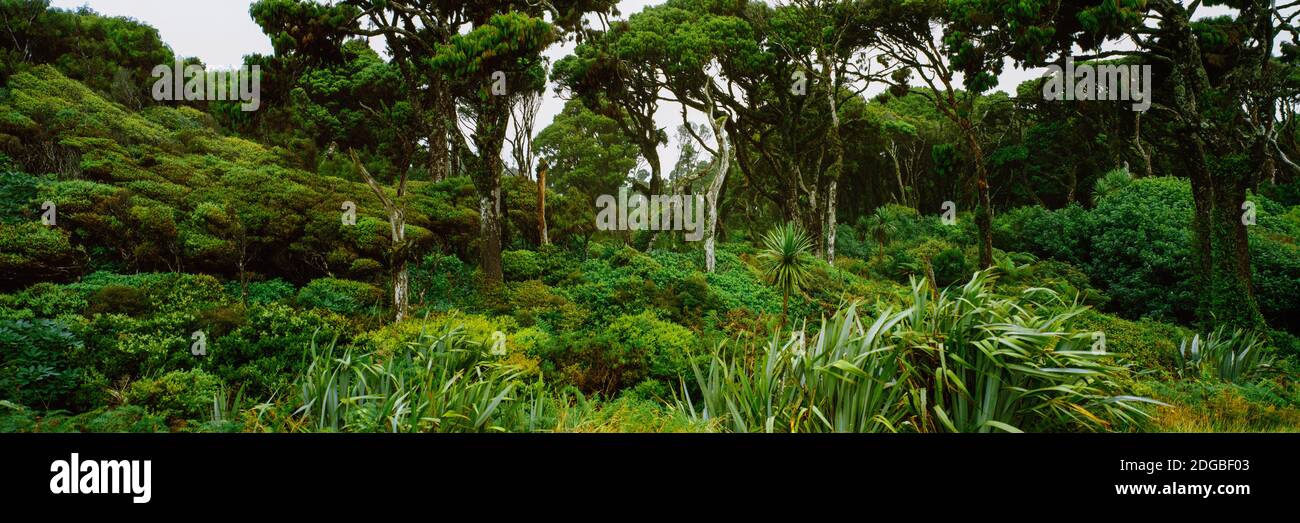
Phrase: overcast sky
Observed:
(220, 33)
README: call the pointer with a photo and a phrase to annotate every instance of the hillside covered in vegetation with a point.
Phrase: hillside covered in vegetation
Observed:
(355, 256)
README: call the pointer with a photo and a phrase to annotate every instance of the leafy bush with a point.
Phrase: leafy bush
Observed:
(30, 251)
(119, 299)
(521, 265)
(34, 368)
(632, 348)
(1141, 248)
(341, 296)
(269, 291)
(265, 353)
(177, 395)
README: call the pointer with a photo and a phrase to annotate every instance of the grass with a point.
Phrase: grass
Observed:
(957, 360)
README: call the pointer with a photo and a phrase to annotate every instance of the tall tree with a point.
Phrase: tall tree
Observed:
(912, 34)
(1215, 93)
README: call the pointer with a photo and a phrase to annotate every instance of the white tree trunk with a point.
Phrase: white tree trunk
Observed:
(401, 277)
(830, 221)
(724, 164)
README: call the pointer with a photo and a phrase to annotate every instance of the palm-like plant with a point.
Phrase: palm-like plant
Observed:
(785, 260)
(879, 229)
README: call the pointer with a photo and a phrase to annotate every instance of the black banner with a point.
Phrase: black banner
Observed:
(323, 473)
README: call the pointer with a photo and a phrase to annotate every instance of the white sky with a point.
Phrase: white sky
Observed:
(220, 33)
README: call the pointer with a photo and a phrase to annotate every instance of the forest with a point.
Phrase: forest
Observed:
(860, 231)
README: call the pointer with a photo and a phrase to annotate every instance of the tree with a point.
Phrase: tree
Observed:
(915, 36)
(396, 209)
(585, 151)
(1217, 95)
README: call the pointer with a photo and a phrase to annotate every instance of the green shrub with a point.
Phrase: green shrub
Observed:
(50, 300)
(267, 351)
(128, 418)
(1063, 235)
(1141, 249)
(341, 296)
(441, 283)
(269, 291)
(31, 252)
(177, 395)
(848, 243)
(119, 299)
(534, 302)
(521, 265)
(18, 193)
(34, 368)
(632, 348)
(1148, 344)
(1276, 277)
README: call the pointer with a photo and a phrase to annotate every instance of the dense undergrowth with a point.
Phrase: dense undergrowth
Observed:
(1084, 324)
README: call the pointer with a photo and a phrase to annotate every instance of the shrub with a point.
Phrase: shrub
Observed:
(50, 300)
(1276, 277)
(1141, 249)
(269, 291)
(532, 302)
(177, 395)
(966, 360)
(1146, 343)
(632, 348)
(31, 251)
(119, 299)
(266, 352)
(34, 368)
(441, 283)
(341, 296)
(1063, 235)
(521, 265)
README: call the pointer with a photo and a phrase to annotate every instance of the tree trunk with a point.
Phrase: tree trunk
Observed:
(397, 229)
(489, 208)
(837, 156)
(724, 163)
(439, 155)
(543, 238)
(830, 221)
(401, 277)
(984, 214)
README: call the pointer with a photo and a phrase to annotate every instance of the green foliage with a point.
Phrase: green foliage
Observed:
(441, 383)
(1231, 356)
(341, 296)
(130, 418)
(965, 360)
(521, 265)
(1112, 181)
(31, 252)
(270, 291)
(176, 395)
(119, 299)
(34, 367)
(630, 349)
(785, 258)
(268, 348)
(586, 152)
